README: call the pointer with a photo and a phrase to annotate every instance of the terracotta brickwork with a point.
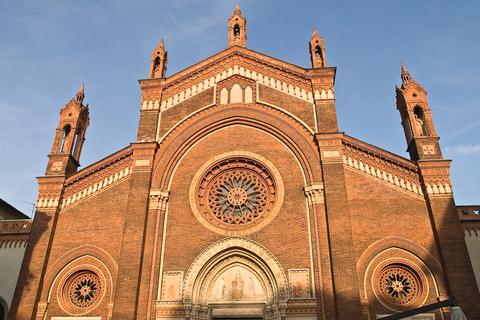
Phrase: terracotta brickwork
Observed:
(241, 198)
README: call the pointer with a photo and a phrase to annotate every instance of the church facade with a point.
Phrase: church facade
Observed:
(241, 199)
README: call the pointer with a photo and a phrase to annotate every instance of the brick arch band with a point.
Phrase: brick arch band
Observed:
(232, 251)
(63, 262)
(420, 253)
(298, 139)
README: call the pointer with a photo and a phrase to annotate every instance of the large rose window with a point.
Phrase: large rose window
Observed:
(236, 195)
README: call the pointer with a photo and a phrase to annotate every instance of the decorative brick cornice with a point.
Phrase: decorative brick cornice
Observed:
(271, 72)
(302, 307)
(14, 233)
(96, 177)
(169, 310)
(436, 176)
(381, 164)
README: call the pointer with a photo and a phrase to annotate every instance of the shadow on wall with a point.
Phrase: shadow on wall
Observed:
(29, 282)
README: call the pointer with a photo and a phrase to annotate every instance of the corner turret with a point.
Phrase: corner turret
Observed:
(417, 122)
(67, 145)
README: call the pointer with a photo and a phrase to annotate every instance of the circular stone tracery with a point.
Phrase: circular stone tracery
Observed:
(81, 291)
(236, 195)
(399, 286)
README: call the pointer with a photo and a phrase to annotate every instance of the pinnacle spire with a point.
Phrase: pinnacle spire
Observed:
(237, 29)
(161, 45)
(237, 10)
(317, 50)
(81, 93)
(405, 75)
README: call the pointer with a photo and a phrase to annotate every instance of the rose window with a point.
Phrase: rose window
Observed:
(83, 289)
(399, 285)
(235, 194)
(237, 197)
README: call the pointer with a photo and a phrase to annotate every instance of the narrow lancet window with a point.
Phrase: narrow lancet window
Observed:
(65, 132)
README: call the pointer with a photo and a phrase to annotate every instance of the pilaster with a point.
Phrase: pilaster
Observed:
(150, 278)
(449, 235)
(345, 280)
(323, 81)
(127, 289)
(315, 194)
(25, 304)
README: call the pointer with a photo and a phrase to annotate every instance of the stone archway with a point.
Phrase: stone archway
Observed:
(235, 278)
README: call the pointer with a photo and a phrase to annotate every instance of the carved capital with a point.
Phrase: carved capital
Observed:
(159, 199)
(314, 193)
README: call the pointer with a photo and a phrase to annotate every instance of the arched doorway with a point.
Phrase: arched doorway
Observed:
(235, 278)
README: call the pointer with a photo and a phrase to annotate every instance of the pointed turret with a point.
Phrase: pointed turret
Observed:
(158, 65)
(68, 142)
(417, 122)
(237, 29)
(405, 75)
(81, 94)
(317, 51)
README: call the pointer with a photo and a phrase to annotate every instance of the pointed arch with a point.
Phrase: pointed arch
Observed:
(231, 252)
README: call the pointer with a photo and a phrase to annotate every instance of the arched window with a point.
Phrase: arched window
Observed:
(236, 30)
(236, 93)
(65, 133)
(156, 68)
(224, 96)
(420, 122)
(76, 147)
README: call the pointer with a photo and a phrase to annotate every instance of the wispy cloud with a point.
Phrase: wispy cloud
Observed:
(463, 149)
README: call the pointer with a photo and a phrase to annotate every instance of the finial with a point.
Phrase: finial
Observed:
(314, 31)
(161, 45)
(237, 10)
(405, 75)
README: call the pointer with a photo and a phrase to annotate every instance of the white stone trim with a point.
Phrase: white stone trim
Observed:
(257, 76)
(382, 174)
(95, 186)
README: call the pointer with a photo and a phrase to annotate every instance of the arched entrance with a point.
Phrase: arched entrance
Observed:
(235, 278)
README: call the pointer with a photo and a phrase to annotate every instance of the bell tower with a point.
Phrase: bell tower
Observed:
(417, 122)
(158, 65)
(317, 51)
(237, 29)
(67, 145)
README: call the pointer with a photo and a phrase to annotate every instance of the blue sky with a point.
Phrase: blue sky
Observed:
(49, 48)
